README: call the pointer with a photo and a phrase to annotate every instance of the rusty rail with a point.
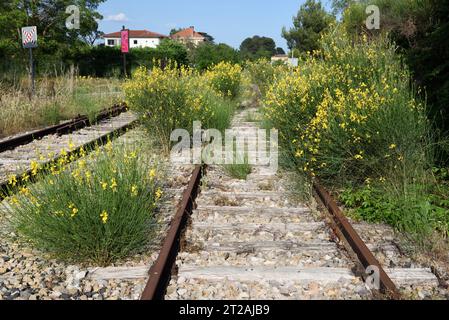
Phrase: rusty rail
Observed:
(6, 190)
(75, 124)
(160, 272)
(351, 236)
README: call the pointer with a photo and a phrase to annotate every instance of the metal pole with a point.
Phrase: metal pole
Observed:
(124, 64)
(32, 71)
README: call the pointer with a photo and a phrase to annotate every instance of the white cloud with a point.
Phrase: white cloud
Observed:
(119, 17)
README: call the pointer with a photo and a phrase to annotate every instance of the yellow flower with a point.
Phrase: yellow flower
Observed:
(113, 185)
(104, 216)
(74, 212)
(34, 168)
(12, 181)
(134, 191)
(82, 164)
(82, 152)
(104, 185)
(152, 173)
(358, 157)
(24, 191)
(14, 200)
(299, 153)
(393, 146)
(25, 177)
(133, 155)
(158, 194)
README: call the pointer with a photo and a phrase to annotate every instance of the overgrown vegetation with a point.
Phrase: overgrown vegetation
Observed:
(96, 211)
(310, 22)
(419, 28)
(174, 98)
(56, 99)
(240, 168)
(238, 171)
(349, 116)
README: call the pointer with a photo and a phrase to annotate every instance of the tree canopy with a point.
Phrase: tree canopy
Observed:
(311, 20)
(258, 47)
(49, 16)
(208, 54)
(54, 38)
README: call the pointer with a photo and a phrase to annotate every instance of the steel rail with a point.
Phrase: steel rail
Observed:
(356, 243)
(6, 190)
(77, 123)
(160, 272)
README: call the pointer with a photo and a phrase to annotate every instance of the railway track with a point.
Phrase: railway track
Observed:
(222, 238)
(248, 239)
(46, 145)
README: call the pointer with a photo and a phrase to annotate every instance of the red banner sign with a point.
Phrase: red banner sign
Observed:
(125, 41)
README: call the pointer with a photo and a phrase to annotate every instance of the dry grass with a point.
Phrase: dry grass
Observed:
(55, 99)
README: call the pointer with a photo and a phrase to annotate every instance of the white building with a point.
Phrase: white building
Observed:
(137, 39)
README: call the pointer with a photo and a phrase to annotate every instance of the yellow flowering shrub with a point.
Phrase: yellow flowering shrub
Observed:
(342, 110)
(225, 78)
(96, 210)
(174, 98)
(262, 73)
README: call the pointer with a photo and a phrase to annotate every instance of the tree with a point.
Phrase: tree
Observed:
(419, 28)
(279, 50)
(258, 47)
(173, 51)
(49, 16)
(339, 6)
(175, 30)
(207, 36)
(311, 20)
(208, 54)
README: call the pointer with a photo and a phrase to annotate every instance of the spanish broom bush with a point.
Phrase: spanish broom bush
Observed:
(350, 116)
(173, 98)
(96, 211)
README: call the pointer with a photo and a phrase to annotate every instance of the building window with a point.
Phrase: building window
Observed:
(111, 42)
(135, 41)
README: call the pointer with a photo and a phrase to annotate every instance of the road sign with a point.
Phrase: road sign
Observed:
(29, 37)
(125, 41)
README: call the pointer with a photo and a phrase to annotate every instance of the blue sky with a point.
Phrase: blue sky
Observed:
(228, 21)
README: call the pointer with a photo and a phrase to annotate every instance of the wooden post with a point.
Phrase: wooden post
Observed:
(32, 72)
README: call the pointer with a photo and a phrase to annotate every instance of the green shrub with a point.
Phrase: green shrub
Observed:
(207, 54)
(417, 211)
(225, 78)
(174, 98)
(348, 113)
(349, 116)
(97, 211)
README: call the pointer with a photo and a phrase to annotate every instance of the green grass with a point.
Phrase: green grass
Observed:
(238, 171)
(55, 99)
(417, 210)
(96, 211)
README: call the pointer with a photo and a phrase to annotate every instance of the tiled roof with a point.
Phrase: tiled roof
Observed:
(187, 33)
(136, 34)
